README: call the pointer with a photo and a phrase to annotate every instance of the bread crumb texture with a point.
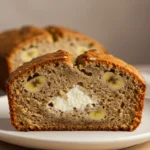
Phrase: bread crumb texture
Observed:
(95, 91)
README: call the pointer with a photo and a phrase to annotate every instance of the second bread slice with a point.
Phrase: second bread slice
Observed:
(22, 45)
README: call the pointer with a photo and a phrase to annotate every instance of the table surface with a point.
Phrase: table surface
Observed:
(144, 146)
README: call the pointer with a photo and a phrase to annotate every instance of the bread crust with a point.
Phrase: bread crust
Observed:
(84, 59)
(14, 40)
(60, 32)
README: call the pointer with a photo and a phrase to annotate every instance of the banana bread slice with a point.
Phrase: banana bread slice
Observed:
(22, 45)
(95, 91)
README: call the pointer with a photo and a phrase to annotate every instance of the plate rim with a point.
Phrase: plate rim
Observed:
(124, 139)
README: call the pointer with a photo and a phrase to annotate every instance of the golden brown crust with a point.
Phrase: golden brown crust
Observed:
(73, 128)
(14, 40)
(60, 32)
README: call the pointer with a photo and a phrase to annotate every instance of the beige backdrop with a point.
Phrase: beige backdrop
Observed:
(122, 26)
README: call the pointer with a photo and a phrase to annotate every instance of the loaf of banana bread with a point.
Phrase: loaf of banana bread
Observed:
(94, 91)
(22, 45)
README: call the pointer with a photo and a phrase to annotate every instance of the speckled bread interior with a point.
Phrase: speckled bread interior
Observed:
(94, 91)
(18, 46)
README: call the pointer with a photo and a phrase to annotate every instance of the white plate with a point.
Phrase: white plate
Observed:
(63, 140)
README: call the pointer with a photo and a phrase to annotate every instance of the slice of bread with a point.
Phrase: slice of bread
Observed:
(22, 45)
(95, 91)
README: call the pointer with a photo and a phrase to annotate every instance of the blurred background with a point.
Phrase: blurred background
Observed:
(122, 26)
